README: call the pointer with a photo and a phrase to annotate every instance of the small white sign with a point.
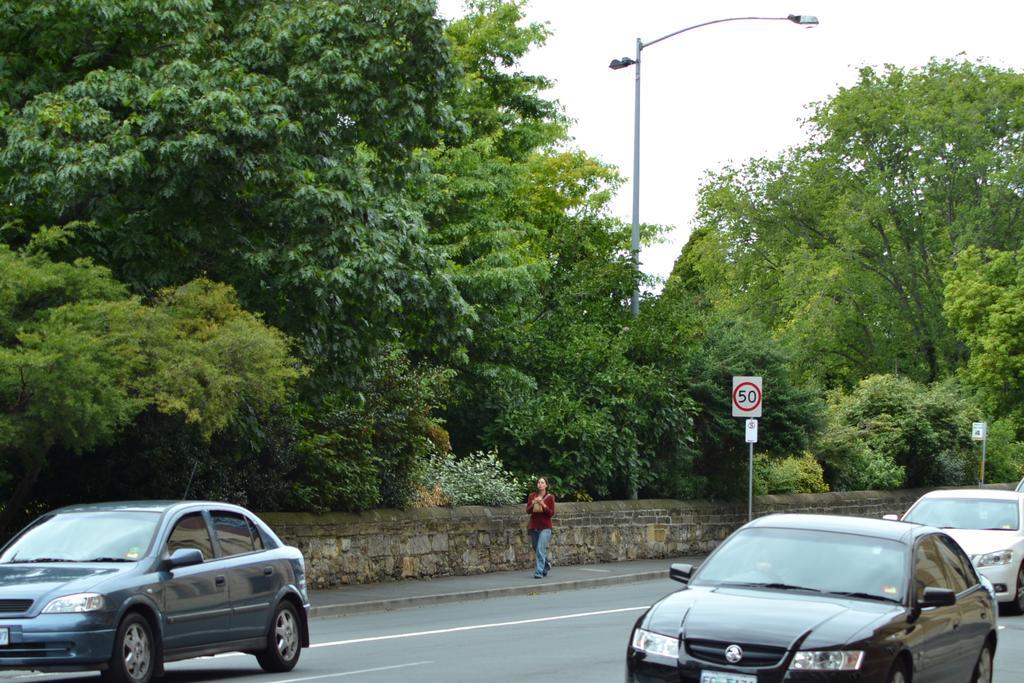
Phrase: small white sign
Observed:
(746, 397)
(751, 431)
(979, 430)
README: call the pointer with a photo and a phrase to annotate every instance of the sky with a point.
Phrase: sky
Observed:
(722, 94)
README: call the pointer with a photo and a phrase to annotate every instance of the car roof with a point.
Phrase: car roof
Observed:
(863, 526)
(975, 494)
(160, 506)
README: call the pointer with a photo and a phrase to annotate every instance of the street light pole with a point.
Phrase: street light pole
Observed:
(800, 19)
(634, 244)
(634, 301)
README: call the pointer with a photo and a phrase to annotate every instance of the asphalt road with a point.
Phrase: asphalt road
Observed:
(567, 637)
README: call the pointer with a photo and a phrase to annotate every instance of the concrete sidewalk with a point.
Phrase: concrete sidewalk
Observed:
(376, 597)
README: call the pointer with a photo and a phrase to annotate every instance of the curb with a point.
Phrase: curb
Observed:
(345, 609)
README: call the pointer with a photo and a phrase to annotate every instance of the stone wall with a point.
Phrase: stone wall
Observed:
(387, 545)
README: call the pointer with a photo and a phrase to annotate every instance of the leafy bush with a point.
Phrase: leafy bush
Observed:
(794, 474)
(1004, 455)
(365, 445)
(163, 456)
(476, 479)
(850, 465)
(887, 423)
(338, 471)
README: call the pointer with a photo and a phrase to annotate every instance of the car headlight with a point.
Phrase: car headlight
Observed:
(827, 660)
(993, 559)
(655, 643)
(80, 602)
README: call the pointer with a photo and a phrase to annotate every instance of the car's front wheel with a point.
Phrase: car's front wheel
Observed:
(134, 653)
(284, 642)
(983, 669)
(897, 674)
(1016, 606)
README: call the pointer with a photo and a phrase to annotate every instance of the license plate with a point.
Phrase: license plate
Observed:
(725, 677)
(5, 636)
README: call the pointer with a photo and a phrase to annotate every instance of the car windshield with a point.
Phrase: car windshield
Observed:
(100, 536)
(814, 561)
(966, 513)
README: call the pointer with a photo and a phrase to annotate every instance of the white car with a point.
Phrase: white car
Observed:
(989, 526)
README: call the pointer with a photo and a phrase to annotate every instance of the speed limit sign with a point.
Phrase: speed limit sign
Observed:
(746, 396)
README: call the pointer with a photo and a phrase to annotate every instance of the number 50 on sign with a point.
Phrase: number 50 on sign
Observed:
(746, 396)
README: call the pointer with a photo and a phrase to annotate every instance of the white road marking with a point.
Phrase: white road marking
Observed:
(413, 634)
(353, 673)
(475, 627)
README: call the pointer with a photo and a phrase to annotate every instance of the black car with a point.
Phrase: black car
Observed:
(124, 587)
(793, 598)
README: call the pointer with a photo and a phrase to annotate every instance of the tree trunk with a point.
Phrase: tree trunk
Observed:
(15, 505)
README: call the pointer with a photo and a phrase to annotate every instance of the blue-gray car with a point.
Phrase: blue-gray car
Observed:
(122, 588)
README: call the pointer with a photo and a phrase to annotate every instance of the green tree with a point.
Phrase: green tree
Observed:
(262, 144)
(983, 304)
(839, 246)
(267, 145)
(80, 358)
(551, 383)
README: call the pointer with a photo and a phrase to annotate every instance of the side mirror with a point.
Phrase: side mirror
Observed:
(891, 517)
(184, 557)
(937, 597)
(680, 572)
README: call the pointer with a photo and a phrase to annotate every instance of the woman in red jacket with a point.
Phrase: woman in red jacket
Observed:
(540, 505)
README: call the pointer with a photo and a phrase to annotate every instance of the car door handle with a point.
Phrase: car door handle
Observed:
(219, 580)
(267, 571)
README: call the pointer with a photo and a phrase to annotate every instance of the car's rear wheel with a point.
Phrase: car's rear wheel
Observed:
(134, 654)
(284, 642)
(983, 669)
(1016, 606)
(898, 673)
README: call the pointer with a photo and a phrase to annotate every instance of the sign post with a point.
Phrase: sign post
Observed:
(746, 402)
(751, 440)
(979, 432)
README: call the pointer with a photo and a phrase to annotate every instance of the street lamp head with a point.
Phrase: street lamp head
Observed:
(621, 63)
(808, 20)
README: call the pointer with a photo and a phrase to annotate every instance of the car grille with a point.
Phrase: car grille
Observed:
(753, 655)
(14, 606)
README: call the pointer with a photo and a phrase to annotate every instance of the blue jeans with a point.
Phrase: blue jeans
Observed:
(539, 539)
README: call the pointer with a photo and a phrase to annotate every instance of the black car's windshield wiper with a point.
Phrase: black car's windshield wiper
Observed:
(108, 559)
(773, 586)
(865, 596)
(41, 559)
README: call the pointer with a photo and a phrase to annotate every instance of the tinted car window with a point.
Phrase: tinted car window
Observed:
(928, 567)
(84, 536)
(958, 567)
(233, 533)
(191, 532)
(966, 513)
(818, 560)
